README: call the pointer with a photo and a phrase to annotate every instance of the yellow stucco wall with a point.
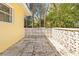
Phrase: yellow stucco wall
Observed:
(10, 33)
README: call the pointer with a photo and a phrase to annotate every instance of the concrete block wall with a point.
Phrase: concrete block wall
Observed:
(65, 40)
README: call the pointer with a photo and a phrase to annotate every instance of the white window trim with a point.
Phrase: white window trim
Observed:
(5, 13)
(13, 13)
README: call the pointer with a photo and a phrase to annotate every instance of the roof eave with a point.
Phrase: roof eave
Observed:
(27, 11)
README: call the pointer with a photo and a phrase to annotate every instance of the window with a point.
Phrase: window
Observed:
(5, 13)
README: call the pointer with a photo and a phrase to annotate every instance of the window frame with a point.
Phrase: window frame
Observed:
(9, 14)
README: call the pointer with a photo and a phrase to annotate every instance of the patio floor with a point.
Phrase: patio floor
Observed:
(35, 43)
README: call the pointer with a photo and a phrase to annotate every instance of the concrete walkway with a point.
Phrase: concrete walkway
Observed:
(32, 45)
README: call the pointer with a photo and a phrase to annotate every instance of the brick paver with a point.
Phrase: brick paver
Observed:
(32, 45)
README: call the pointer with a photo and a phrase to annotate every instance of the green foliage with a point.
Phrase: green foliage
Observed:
(63, 15)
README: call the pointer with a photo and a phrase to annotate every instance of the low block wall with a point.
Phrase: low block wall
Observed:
(66, 40)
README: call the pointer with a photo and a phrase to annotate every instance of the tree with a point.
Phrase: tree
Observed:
(63, 15)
